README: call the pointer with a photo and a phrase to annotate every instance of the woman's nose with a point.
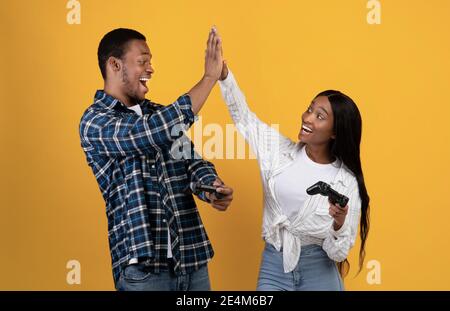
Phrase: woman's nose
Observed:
(307, 118)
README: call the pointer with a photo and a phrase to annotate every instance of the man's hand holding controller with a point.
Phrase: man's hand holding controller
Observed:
(220, 195)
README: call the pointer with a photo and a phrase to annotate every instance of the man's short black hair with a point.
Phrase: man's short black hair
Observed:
(114, 43)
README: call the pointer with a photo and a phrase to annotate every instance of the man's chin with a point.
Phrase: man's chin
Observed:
(142, 93)
(140, 96)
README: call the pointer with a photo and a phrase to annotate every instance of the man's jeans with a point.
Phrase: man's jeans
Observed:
(136, 277)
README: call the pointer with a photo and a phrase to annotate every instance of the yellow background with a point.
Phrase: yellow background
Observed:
(282, 53)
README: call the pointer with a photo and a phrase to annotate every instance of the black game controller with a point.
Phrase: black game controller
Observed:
(198, 187)
(325, 189)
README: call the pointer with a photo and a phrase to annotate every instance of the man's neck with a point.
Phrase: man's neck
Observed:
(112, 91)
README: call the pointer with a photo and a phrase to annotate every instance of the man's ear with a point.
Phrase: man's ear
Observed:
(114, 64)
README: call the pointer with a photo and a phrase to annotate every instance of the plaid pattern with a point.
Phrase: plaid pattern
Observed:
(143, 185)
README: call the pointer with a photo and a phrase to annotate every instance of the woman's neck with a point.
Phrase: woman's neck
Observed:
(319, 154)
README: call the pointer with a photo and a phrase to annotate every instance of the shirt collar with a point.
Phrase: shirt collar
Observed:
(110, 102)
(340, 177)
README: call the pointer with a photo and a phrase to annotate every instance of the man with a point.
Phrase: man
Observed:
(156, 237)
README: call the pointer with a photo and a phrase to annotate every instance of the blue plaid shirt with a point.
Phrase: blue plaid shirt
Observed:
(144, 186)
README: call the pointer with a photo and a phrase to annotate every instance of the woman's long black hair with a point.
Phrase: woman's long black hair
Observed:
(346, 147)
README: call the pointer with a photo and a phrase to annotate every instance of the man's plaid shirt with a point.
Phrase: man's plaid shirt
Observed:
(143, 185)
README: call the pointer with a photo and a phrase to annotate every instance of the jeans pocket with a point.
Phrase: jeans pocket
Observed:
(136, 273)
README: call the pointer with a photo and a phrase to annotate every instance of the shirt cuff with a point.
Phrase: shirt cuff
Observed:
(202, 196)
(208, 179)
(185, 104)
(228, 81)
(339, 233)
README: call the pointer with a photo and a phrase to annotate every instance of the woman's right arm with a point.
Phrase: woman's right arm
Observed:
(265, 141)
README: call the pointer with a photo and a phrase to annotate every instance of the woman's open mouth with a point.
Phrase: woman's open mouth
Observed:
(306, 130)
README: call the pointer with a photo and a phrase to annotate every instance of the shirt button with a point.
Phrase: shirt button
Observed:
(153, 166)
(164, 221)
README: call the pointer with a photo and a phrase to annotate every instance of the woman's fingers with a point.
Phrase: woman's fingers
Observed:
(336, 210)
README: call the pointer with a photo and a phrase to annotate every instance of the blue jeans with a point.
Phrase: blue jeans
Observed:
(137, 277)
(315, 272)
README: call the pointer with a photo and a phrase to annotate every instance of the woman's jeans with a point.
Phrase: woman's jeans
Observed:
(315, 272)
(137, 277)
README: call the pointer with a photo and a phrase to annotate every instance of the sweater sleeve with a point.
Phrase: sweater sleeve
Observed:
(265, 141)
(338, 243)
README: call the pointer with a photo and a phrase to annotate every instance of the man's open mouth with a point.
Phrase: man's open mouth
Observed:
(144, 81)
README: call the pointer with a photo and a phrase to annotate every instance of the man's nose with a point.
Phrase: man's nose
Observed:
(150, 69)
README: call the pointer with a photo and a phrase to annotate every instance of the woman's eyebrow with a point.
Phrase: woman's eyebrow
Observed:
(313, 102)
(323, 109)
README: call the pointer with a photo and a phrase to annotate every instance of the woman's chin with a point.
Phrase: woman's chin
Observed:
(302, 138)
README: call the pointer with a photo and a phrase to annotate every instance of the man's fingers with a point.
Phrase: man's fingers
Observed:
(214, 45)
(222, 205)
(219, 207)
(217, 182)
(225, 190)
(226, 197)
(210, 38)
(209, 43)
(219, 48)
(222, 202)
(225, 202)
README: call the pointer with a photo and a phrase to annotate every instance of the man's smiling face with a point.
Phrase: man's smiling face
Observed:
(136, 70)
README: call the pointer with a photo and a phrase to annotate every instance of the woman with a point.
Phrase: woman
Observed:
(307, 238)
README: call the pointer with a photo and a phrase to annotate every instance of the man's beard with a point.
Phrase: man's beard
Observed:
(128, 89)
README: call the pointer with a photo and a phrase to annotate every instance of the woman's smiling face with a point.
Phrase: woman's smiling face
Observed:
(317, 122)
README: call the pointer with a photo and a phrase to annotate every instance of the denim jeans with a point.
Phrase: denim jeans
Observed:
(137, 277)
(315, 271)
